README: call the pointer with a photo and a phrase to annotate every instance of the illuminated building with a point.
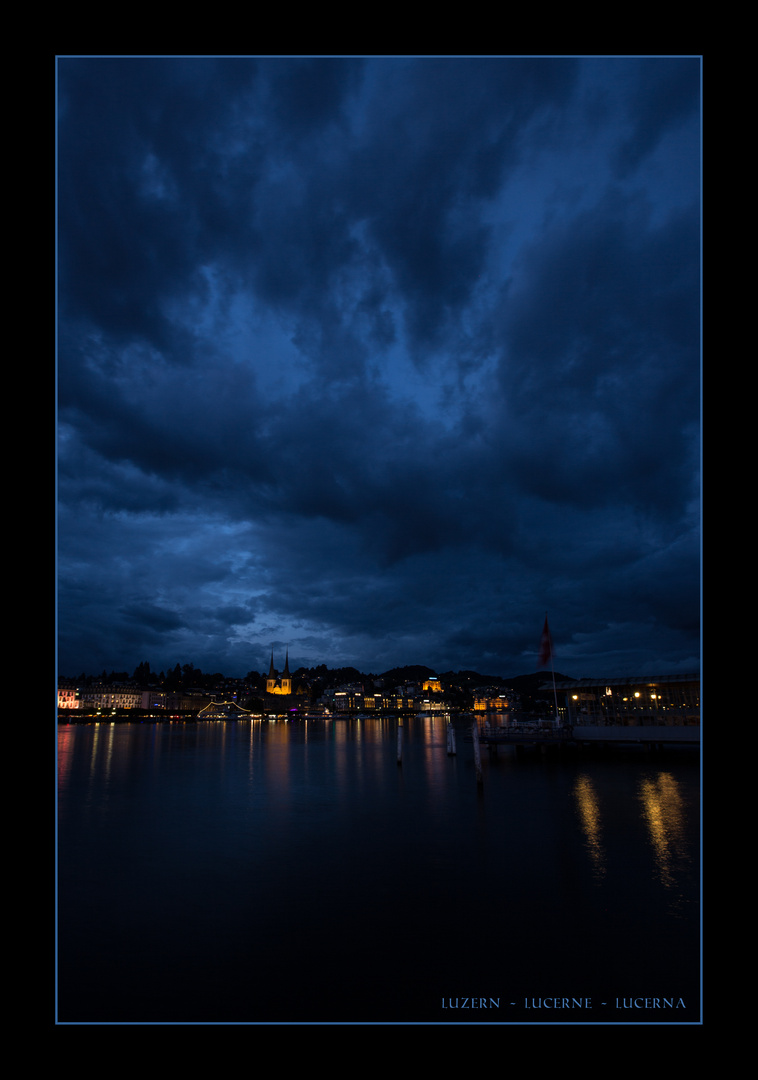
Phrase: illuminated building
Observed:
(276, 684)
(490, 703)
(670, 700)
(431, 705)
(153, 699)
(68, 698)
(112, 697)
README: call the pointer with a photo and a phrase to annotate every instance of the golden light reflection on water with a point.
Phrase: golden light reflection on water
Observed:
(664, 813)
(436, 761)
(65, 754)
(589, 812)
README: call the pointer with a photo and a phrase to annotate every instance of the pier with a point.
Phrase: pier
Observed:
(646, 734)
(652, 735)
(522, 735)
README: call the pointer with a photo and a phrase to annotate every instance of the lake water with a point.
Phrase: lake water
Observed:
(262, 872)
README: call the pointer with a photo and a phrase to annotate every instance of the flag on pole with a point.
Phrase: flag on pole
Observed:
(546, 646)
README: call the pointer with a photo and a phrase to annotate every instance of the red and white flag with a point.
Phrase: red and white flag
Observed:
(546, 646)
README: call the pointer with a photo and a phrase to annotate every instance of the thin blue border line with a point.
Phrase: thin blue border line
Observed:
(55, 525)
(701, 543)
(377, 1023)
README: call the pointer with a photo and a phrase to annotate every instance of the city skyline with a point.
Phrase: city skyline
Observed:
(377, 360)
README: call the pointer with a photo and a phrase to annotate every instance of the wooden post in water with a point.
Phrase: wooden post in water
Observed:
(491, 747)
(400, 741)
(450, 740)
(477, 754)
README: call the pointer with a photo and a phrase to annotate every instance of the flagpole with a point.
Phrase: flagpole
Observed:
(547, 643)
(552, 668)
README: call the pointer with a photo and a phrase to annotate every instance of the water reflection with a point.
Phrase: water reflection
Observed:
(664, 813)
(360, 875)
(65, 755)
(588, 806)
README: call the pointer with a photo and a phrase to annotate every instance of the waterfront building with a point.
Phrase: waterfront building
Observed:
(372, 701)
(153, 699)
(491, 702)
(111, 697)
(351, 700)
(405, 703)
(347, 701)
(69, 697)
(431, 705)
(669, 700)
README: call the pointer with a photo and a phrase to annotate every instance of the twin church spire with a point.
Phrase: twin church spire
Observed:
(276, 683)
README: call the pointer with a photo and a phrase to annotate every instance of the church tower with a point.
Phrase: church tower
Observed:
(286, 677)
(271, 680)
(275, 684)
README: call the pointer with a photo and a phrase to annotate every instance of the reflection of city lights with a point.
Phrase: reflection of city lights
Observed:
(664, 813)
(589, 812)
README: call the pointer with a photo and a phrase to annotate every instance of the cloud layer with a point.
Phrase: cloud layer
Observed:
(380, 358)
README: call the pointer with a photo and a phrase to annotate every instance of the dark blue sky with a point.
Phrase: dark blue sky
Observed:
(381, 358)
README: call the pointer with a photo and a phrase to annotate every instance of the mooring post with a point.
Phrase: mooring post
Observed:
(450, 739)
(477, 755)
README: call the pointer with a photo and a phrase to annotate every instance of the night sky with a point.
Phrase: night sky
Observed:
(380, 359)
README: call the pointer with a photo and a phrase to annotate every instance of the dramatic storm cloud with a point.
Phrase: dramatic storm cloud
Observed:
(381, 359)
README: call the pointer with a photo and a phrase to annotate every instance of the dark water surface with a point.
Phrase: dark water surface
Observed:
(263, 872)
